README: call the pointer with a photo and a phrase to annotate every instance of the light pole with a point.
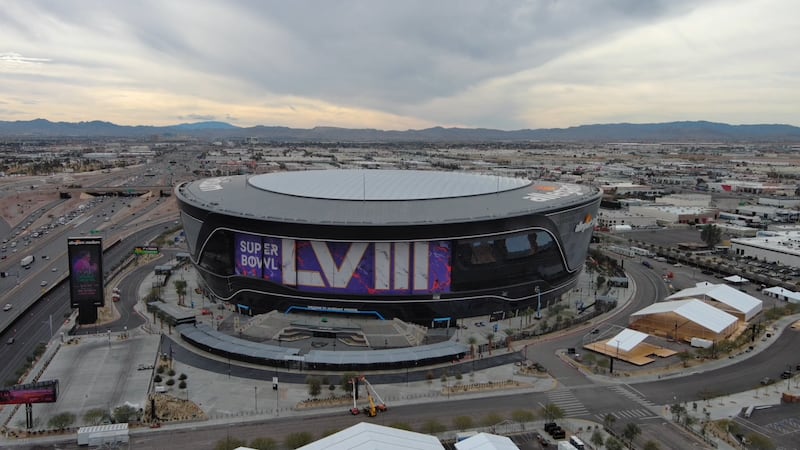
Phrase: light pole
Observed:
(538, 302)
(255, 389)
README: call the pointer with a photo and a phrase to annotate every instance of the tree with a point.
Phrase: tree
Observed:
(229, 443)
(651, 445)
(597, 438)
(180, 289)
(630, 432)
(433, 426)
(95, 416)
(264, 444)
(491, 419)
(551, 412)
(62, 420)
(462, 422)
(613, 443)
(125, 413)
(522, 416)
(472, 340)
(685, 356)
(297, 440)
(489, 338)
(347, 381)
(314, 386)
(609, 420)
(711, 235)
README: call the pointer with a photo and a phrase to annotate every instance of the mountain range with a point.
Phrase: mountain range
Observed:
(687, 131)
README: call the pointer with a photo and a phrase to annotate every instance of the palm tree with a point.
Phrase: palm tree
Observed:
(180, 289)
(489, 338)
(472, 340)
(608, 420)
(630, 432)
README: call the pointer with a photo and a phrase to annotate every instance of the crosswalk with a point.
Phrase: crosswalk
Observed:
(621, 390)
(567, 402)
(628, 414)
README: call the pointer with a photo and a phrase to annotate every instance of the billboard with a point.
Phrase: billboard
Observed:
(360, 268)
(38, 392)
(85, 271)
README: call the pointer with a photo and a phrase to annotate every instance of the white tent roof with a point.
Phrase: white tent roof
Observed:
(777, 290)
(485, 441)
(369, 436)
(722, 293)
(627, 339)
(698, 312)
(736, 279)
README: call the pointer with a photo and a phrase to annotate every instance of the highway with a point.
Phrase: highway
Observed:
(578, 395)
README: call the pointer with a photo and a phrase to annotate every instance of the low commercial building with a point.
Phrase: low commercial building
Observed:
(772, 247)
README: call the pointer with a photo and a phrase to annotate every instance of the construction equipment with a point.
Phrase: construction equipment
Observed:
(372, 394)
(354, 410)
(373, 408)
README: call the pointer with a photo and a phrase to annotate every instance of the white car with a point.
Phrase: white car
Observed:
(7, 307)
(43, 283)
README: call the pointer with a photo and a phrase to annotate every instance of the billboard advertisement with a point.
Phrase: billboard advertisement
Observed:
(39, 392)
(361, 268)
(85, 271)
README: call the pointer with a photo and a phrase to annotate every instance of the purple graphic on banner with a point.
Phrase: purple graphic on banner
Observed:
(271, 259)
(248, 255)
(439, 267)
(361, 268)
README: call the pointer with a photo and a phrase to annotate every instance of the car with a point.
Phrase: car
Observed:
(707, 272)
(678, 264)
(54, 269)
(43, 283)
(7, 307)
(10, 340)
(786, 374)
(766, 380)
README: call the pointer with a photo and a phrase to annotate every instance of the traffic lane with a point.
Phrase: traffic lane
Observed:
(743, 375)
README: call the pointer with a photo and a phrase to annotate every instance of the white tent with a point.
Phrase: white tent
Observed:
(736, 279)
(783, 294)
(485, 441)
(684, 319)
(626, 340)
(739, 301)
(369, 436)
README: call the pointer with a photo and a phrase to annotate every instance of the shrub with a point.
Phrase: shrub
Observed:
(157, 378)
(160, 369)
(229, 443)
(182, 384)
(182, 376)
(61, 421)
(170, 382)
(171, 372)
(264, 444)
(297, 440)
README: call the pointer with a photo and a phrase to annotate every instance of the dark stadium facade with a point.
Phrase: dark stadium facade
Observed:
(413, 245)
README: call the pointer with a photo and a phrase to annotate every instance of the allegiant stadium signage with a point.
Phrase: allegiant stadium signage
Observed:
(346, 267)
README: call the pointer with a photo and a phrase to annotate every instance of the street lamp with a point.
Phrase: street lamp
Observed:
(538, 302)
(255, 388)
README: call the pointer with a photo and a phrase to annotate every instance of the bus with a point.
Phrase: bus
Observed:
(577, 443)
(27, 261)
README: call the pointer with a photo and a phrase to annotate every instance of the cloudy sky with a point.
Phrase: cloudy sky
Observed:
(401, 64)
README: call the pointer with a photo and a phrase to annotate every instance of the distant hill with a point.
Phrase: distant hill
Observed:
(696, 131)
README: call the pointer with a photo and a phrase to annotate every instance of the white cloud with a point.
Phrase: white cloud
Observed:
(398, 65)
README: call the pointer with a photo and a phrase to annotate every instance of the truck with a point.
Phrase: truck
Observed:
(27, 261)
(107, 435)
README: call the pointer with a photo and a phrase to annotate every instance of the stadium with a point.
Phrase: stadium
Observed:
(419, 246)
